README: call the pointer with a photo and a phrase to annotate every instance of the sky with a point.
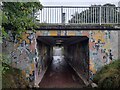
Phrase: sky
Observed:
(76, 2)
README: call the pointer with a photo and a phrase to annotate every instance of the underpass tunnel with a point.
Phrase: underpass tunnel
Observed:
(64, 56)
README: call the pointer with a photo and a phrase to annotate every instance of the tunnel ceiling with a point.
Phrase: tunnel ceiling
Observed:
(64, 40)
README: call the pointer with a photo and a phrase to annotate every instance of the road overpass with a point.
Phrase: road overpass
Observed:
(90, 37)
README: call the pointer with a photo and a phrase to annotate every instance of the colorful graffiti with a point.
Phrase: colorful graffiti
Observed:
(103, 46)
(24, 54)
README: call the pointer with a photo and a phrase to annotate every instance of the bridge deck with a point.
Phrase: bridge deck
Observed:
(77, 27)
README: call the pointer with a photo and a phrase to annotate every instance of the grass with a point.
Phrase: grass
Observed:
(109, 76)
(12, 78)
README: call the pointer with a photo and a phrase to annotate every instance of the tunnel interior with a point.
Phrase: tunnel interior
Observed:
(74, 50)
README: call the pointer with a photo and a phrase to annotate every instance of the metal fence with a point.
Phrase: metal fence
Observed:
(79, 15)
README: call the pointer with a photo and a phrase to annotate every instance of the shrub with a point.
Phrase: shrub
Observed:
(13, 78)
(109, 76)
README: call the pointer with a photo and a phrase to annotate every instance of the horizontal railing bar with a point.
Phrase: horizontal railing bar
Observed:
(80, 23)
(79, 6)
(65, 7)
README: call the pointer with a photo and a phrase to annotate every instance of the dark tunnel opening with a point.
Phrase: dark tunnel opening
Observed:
(56, 53)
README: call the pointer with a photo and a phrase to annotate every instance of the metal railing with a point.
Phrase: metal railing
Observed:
(79, 15)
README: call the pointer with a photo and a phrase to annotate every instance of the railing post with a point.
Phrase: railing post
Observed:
(118, 12)
(100, 16)
(61, 13)
(62, 16)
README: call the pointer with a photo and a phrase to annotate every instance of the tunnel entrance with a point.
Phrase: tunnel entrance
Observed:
(64, 56)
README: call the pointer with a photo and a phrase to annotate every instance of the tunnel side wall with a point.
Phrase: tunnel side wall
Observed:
(77, 55)
(44, 57)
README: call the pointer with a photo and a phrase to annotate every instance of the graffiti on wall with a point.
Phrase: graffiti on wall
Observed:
(102, 50)
(24, 54)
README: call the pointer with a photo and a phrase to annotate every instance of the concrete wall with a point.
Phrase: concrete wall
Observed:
(103, 46)
(23, 53)
(119, 44)
(43, 60)
(77, 55)
(28, 55)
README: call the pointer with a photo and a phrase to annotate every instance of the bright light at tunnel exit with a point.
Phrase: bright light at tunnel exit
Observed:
(58, 51)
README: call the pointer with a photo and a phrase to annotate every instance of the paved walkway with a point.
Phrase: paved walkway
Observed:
(60, 75)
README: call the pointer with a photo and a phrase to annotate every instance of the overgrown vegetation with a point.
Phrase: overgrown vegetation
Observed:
(109, 76)
(16, 17)
(13, 78)
(19, 16)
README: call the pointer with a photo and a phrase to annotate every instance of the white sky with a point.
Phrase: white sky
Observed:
(76, 2)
